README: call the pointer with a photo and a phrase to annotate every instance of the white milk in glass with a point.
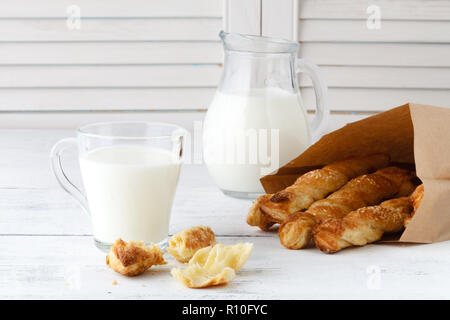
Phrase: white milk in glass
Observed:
(130, 191)
(234, 118)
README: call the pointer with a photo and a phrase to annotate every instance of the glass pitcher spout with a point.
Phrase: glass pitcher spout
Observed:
(253, 62)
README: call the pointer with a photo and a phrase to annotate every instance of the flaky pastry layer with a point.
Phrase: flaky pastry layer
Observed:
(213, 265)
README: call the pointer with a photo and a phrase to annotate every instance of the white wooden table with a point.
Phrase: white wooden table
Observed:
(46, 250)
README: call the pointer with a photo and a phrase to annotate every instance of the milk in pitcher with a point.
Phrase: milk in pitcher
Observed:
(275, 116)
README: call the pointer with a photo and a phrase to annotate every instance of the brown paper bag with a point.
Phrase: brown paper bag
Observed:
(411, 134)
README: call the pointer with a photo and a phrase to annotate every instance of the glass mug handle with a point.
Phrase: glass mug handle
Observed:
(61, 177)
(320, 121)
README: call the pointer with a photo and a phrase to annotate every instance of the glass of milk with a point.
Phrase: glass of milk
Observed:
(257, 122)
(130, 173)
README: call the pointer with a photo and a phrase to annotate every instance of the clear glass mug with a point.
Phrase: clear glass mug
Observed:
(257, 122)
(130, 173)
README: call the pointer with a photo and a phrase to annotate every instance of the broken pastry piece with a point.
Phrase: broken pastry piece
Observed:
(212, 266)
(186, 243)
(133, 258)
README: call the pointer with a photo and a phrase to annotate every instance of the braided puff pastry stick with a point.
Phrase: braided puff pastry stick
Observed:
(310, 187)
(416, 199)
(362, 226)
(366, 190)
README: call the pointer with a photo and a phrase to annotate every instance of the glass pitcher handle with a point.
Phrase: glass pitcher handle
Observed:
(320, 121)
(61, 177)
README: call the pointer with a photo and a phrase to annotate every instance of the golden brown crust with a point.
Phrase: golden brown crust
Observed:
(403, 182)
(362, 226)
(366, 190)
(310, 187)
(416, 199)
(133, 258)
(186, 243)
(255, 217)
(292, 232)
(213, 265)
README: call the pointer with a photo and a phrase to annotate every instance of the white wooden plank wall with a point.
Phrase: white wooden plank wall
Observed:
(406, 60)
(137, 59)
(161, 60)
(134, 59)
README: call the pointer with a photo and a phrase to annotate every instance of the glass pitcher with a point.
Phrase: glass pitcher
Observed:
(257, 122)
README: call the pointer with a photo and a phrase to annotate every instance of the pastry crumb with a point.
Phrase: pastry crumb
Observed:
(114, 282)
